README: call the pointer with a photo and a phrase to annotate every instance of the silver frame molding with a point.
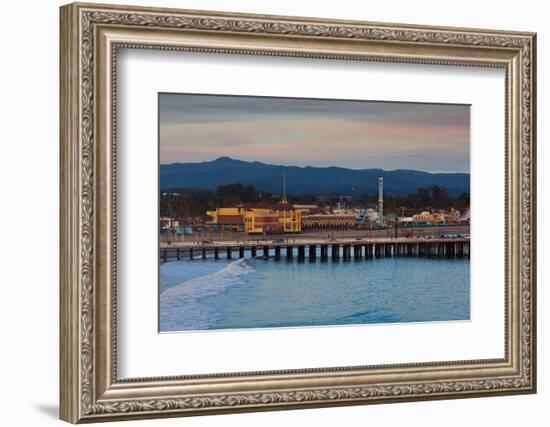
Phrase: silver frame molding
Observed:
(90, 37)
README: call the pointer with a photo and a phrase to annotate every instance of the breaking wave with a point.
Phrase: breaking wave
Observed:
(181, 307)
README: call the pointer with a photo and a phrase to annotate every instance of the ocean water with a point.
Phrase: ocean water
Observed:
(255, 293)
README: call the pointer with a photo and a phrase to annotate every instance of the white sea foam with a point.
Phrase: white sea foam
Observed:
(210, 284)
(180, 305)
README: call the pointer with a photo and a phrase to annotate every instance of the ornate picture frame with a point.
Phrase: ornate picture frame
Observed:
(90, 37)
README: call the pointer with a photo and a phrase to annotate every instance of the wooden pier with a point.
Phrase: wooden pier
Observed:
(336, 250)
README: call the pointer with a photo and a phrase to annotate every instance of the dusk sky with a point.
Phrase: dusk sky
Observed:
(315, 132)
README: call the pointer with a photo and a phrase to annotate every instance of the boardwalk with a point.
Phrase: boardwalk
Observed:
(335, 249)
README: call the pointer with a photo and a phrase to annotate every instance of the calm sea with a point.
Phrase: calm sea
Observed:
(257, 293)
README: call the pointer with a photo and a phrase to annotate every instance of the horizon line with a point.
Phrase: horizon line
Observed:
(310, 166)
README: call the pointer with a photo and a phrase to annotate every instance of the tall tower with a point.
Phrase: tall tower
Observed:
(381, 198)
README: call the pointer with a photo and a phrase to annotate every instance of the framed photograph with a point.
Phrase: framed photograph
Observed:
(266, 212)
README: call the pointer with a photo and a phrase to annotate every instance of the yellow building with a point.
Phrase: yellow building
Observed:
(423, 217)
(289, 217)
(431, 218)
(258, 218)
(228, 218)
(438, 218)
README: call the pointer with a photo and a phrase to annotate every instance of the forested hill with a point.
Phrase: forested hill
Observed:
(305, 180)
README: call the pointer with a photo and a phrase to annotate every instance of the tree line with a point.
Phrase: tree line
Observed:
(435, 197)
(195, 203)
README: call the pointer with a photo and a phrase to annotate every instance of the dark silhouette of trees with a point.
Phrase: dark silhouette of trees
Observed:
(195, 203)
(435, 197)
(462, 201)
(234, 194)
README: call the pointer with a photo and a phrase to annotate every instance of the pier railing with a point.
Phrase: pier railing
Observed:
(335, 249)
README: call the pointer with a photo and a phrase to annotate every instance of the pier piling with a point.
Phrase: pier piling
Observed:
(357, 252)
(348, 255)
(375, 248)
(289, 250)
(312, 252)
(335, 252)
(324, 253)
(301, 253)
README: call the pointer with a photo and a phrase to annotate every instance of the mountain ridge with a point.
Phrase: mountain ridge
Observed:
(304, 179)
